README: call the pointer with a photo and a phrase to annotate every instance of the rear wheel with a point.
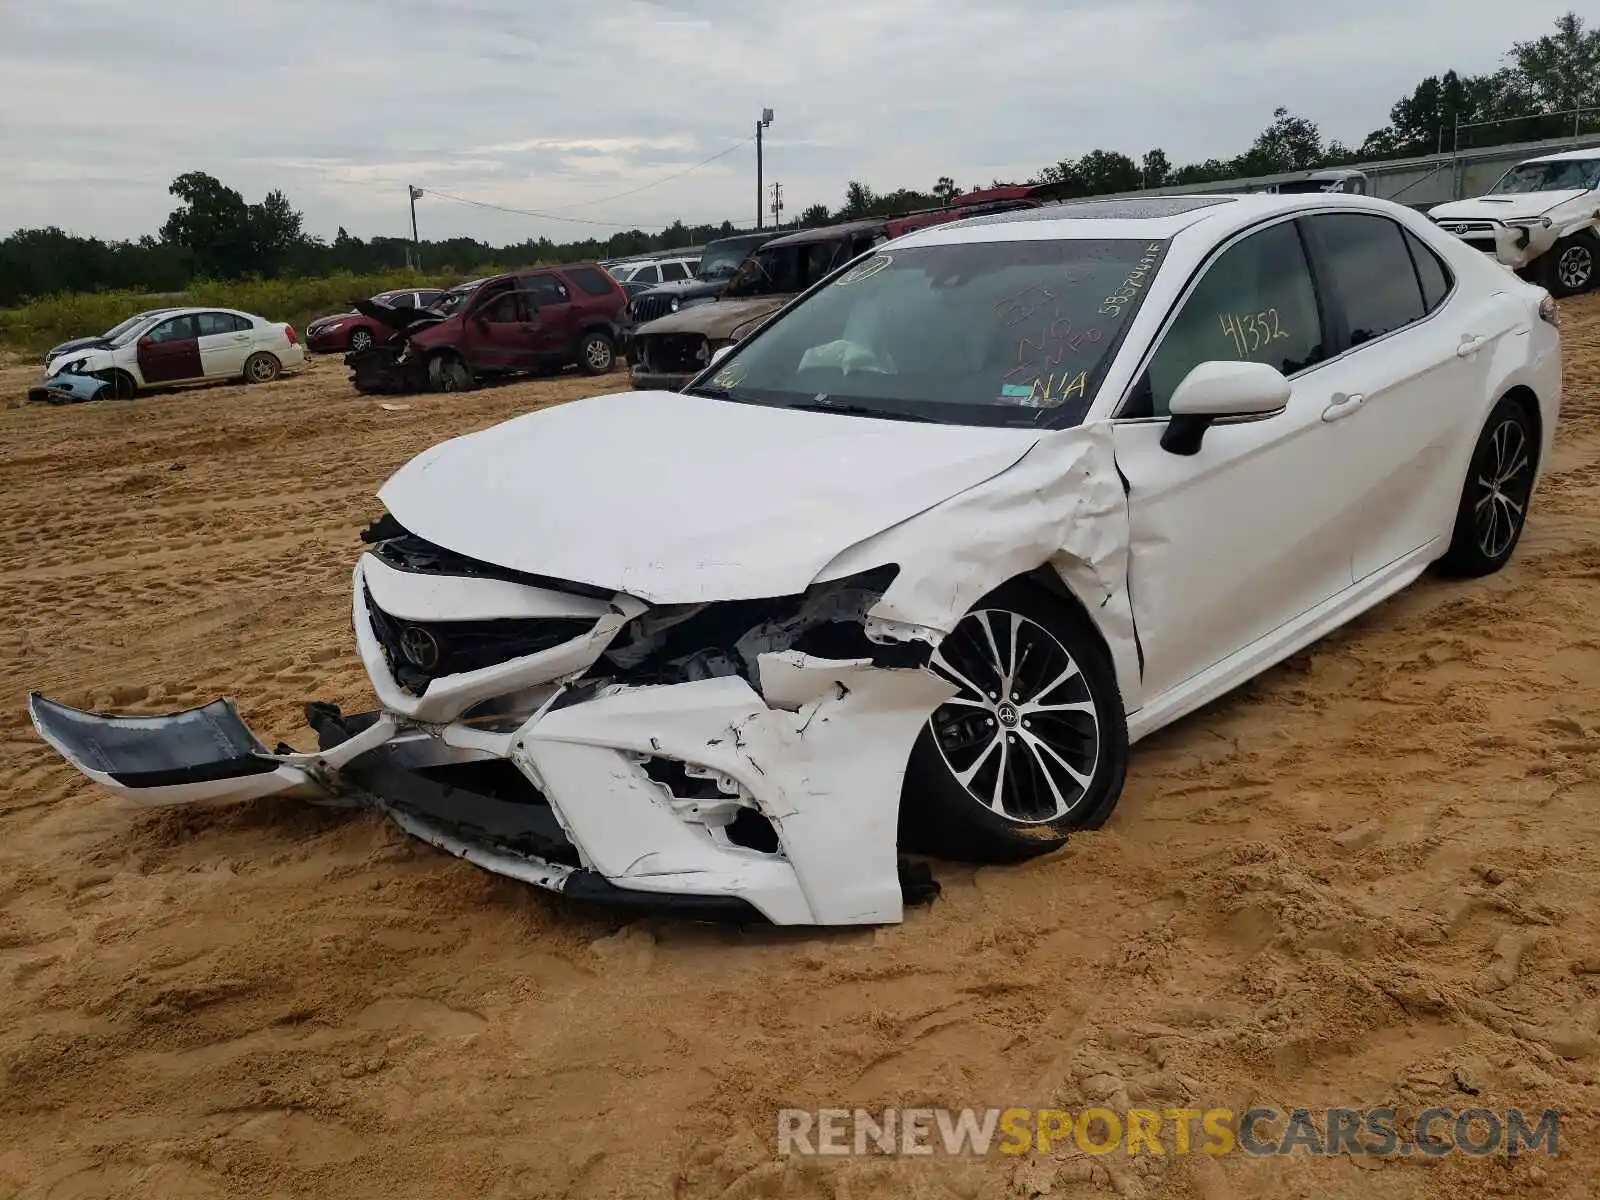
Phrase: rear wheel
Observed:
(447, 373)
(1569, 266)
(1494, 500)
(262, 368)
(597, 354)
(1035, 744)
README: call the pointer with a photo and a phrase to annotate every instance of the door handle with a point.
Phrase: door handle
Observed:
(1471, 343)
(1342, 405)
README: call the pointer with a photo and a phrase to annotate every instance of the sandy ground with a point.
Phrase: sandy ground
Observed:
(1366, 879)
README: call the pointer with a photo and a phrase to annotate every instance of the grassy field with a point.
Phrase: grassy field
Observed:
(38, 325)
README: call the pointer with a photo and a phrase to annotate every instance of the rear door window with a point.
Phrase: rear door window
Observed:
(591, 280)
(1372, 273)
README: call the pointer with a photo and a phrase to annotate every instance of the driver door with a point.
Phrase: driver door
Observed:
(502, 332)
(1252, 531)
(170, 353)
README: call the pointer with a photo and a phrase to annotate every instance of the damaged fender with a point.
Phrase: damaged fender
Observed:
(1063, 504)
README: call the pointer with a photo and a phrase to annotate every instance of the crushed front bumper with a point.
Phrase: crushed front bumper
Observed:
(658, 381)
(1514, 244)
(69, 389)
(708, 797)
(382, 371)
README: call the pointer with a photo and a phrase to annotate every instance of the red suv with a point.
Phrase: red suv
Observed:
(535, 320)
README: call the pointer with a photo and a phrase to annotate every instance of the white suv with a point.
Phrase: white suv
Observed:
(1540, 219)
(656, 270)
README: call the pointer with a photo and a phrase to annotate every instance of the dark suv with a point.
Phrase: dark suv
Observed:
(721, 259)
(668, 351)
(535, 320)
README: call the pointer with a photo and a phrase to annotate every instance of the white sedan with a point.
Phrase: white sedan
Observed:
(912, 566)
(184, 345)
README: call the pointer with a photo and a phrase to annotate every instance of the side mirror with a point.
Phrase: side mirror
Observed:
(1219, 390)
(720, 353)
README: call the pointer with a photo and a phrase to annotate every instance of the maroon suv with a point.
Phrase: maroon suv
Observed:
(541, 319)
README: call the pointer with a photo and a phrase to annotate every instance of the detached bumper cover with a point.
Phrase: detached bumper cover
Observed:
(68, 389)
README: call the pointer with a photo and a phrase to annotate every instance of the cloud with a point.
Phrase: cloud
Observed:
(559, 108)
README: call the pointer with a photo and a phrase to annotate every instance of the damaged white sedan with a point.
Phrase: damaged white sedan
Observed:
(911, 567)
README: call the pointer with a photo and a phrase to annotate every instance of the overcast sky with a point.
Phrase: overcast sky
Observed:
(550, 106)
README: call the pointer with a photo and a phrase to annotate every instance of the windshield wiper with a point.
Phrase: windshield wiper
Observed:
(712, 391)
(859, 410)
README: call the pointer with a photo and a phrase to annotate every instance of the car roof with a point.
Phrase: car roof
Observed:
(1138, 217)
(828, 233)
(1565, 156)
(191, 309)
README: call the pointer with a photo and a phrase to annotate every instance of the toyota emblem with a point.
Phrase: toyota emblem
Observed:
(1456, 228)
(419, 647)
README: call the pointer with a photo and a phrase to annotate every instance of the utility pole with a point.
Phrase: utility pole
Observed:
(777, 206)
(416, 246)
(761, 194)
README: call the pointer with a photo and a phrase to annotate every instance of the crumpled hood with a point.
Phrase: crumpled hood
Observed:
(716, 321)
(1502, 208)
(675, 498)
(83, 343)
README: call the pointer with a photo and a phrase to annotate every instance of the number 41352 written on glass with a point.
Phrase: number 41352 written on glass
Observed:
(1251, 331)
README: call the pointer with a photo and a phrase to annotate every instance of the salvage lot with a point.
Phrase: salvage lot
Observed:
(1368, 878)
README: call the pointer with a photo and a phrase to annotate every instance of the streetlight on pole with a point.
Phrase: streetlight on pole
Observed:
(761, 194)
(416, 246)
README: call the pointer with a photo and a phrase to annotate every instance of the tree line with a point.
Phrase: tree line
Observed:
(215, 234)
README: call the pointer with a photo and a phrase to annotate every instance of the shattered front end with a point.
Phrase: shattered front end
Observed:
(727, 758)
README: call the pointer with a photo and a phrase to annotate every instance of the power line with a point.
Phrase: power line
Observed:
(664, 179)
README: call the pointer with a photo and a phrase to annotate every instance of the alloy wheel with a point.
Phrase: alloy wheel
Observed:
(1023, 736)
(599, 355)
(1575, 268)
(360, 340)
(1504, 483)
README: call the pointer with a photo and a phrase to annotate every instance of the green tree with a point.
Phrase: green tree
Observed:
(945, 190)
(1156, 169)
(1289, 143)
(1104, 171)
(212, 223)
(1561, 71)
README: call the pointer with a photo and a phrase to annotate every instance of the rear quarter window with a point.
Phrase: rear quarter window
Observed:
(592, 280)
(1431, 272)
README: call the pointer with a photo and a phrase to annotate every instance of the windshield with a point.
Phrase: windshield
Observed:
(132, 328)
(984, 333)
(788, 270)
(453, 300)
(1300, 186)
(622, 274)
(721, 261)
(122, 327)
(1560, 176)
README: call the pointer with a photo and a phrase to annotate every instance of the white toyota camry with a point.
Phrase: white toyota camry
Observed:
(182, 345)
(912, 566)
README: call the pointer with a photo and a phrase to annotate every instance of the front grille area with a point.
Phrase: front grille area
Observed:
(419, 652)
(648, 308)
(674, 353)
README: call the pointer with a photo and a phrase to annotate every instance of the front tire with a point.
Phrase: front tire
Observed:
(597, 354)
(447, 373)
(1034, 746)
(1568, 268)
(262, 368)
(360, 341)
(1494, 499)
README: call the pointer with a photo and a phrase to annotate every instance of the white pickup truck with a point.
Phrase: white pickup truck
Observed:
(1542, 220)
